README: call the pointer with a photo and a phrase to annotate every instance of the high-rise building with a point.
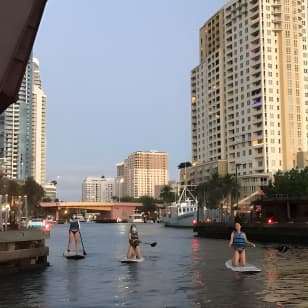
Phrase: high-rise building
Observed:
(50, 190)
(38, 127)
(97, 189)
(16, 132)
(142, 172)
(249, 94)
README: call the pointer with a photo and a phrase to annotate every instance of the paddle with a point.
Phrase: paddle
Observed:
(282, 248)
(84, 252)
(151, 244)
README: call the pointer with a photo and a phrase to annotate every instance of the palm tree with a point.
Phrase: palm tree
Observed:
(166, 194)
(185, 164)
(218, 190)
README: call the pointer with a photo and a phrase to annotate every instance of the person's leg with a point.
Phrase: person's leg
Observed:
(138, 252)
(243, 258)
(130, 252)
(70, 239)
(236, 258)
(76, 235)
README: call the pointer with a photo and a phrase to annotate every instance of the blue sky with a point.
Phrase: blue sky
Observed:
(117, 78)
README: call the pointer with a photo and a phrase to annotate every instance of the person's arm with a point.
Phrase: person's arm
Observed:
(231, 239)
(129, 237)
(247, 242)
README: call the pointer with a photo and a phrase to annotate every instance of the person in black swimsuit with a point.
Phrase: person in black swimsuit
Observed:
(134, 243)
(73, 234)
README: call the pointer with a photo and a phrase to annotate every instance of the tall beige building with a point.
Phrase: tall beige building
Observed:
(141, 172)
(249, 94)
(38, 127)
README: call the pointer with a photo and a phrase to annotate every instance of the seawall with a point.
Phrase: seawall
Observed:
(274, 233)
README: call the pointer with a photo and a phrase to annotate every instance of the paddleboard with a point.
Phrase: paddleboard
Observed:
(249, 268)
(72, 255)
(133, 260)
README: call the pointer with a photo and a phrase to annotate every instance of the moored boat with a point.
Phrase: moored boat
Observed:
(136, 217)
(182, 212)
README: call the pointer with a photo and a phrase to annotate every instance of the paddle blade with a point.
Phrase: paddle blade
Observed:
(153, 244)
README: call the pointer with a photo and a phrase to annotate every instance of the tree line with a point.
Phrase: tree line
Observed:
(16, 188)
(293, 183)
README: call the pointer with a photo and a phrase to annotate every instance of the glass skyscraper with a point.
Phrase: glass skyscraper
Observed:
(16, 132)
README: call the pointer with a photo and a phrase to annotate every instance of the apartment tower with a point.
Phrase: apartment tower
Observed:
(97, 189)
(249, 94)
(143, 171)
(16, 132)
(38, 127)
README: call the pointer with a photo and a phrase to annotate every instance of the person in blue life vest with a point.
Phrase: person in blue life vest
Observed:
(239, 242)
(73, 234)
(134, 243)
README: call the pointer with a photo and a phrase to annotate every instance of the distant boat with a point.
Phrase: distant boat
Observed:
(136, 217)
(182, 212)
(80, 217)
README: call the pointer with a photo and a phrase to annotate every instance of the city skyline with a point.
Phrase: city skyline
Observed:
(117, 80)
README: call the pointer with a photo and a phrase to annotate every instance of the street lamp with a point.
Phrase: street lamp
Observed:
(236, 165)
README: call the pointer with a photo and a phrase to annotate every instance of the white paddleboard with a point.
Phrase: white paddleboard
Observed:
(248, 268)
(132, 260)
(73, 255)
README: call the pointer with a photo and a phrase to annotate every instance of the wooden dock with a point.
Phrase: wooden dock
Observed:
(22, 250)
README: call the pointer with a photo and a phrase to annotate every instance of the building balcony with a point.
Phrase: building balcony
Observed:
(276, 12)
(256, 60)
(256, 102)
(276, 3)
(255, 49)
(256, 74)
(256, 92)
(257, 142)
(257, 119)
(256, 83)
(255, 24)
(258, 154)
(255, 33)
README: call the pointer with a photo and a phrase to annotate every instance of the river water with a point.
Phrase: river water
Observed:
(181, 271)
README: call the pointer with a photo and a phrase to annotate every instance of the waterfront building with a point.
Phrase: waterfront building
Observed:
(16, 132)
(50, 190)
(142, 171)
(38, 127)
(120, 189)
(97, 189)
(249, 93)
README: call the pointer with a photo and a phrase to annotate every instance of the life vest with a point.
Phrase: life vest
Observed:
(239, 240)
(74, 226)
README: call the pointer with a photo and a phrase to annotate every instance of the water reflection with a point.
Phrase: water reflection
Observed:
(30, 289)
(72, 281)
(287, 277)
(181, 271)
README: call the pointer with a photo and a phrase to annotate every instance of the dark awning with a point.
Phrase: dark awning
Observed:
(19, 22)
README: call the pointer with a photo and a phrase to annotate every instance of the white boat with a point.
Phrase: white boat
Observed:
(182, 212)
(80, 217)
(136, 217)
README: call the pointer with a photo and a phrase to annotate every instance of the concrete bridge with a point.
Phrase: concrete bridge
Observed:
(111, 210)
